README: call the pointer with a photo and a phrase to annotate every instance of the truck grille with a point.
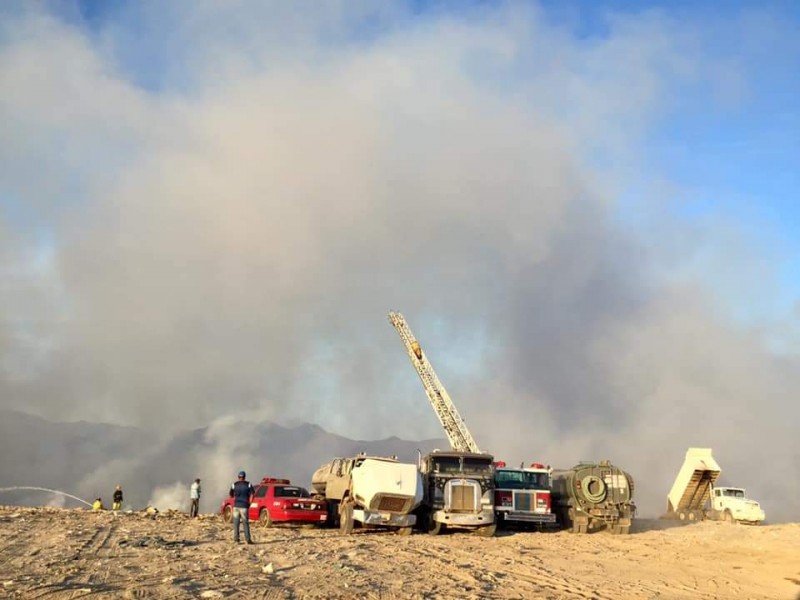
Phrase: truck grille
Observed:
(390, 504)
(524, 501)
(462, 498)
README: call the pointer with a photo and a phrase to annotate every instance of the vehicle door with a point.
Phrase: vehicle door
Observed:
(715, 499)
(258, 502)
(340, 478)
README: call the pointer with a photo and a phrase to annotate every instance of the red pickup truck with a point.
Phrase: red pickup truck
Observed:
(277, 501)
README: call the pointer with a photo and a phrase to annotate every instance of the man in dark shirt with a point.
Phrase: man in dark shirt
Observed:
(117, 505)
(241, 492)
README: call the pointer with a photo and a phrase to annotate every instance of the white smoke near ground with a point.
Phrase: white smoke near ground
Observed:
(170, 497)
(225, 251)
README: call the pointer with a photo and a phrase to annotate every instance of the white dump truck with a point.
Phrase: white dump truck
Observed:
(694, 495)
(372, 490)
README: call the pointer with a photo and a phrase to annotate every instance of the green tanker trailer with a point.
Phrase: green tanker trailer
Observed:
(593, 495)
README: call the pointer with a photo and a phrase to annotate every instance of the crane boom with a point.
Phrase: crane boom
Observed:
(458, 435)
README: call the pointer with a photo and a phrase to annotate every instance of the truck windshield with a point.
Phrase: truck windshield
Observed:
(447, 464)
(458, 465)
(522, 480)
(734, 493)
(478, 466)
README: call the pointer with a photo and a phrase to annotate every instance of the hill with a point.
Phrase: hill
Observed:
(89, 459)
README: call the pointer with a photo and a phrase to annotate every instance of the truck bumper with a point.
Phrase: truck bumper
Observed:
(485, 517)
(372, 517)
(528, 517)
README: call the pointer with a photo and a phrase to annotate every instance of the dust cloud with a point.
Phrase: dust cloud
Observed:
(212, 229)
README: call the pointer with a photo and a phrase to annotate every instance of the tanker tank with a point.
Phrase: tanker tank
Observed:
(592, 496)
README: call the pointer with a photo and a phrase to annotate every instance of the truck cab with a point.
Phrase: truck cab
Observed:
(373, 490)
(459, 491)
(523, 494)
(733, 505)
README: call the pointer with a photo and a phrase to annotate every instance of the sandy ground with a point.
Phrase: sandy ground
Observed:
(56, 553)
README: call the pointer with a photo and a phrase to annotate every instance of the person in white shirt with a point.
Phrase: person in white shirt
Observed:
(194, 494)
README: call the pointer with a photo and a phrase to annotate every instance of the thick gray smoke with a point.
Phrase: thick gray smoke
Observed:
(219, 224)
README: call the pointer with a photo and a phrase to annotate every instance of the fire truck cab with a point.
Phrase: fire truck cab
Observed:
(523, 494)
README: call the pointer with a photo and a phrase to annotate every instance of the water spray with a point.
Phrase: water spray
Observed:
(41, 489)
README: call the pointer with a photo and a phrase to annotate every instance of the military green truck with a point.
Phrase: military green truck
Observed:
(593, 496)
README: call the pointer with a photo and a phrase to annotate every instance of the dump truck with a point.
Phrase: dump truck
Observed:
(372, 490)
(593, 495)
(695, 496)
(459, 492)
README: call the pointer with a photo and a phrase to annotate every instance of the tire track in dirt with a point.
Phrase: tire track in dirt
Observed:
(541, 578)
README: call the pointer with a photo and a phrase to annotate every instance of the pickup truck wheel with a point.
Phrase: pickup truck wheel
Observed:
(227, 514)
(264, 518)
(346, 518)
(486, 530)
(404, 531)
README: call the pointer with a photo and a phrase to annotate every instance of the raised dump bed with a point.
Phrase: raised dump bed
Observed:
(692, 488)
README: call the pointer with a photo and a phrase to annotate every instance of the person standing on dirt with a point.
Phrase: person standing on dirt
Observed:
(117, 503)
(194, 494)
(241, 492)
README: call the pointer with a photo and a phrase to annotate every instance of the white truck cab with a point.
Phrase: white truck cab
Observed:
(734, 505)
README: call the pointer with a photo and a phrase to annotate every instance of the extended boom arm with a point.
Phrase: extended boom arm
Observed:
(457, 433)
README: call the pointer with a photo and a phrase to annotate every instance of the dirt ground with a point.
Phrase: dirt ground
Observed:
(59, 553)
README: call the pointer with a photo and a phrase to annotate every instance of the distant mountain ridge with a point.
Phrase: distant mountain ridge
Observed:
(89, 459)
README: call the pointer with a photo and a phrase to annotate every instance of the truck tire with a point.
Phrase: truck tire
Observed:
(728, 517)
(333, 513)
(486, 530)
(264, 518)
(432, 526)
(346, 518)
(682, 516)
(580, 527)
(227, 514)
(619, 529)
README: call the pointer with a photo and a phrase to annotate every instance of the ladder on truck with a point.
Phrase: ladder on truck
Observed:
(460, 438)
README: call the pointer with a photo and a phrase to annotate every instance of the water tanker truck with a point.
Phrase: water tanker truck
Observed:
(695, 496)
(372, 490)
(593, 495)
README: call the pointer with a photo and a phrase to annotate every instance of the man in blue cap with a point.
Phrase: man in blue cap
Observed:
(241, 492)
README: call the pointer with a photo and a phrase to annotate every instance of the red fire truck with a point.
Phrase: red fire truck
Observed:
(523, 494)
